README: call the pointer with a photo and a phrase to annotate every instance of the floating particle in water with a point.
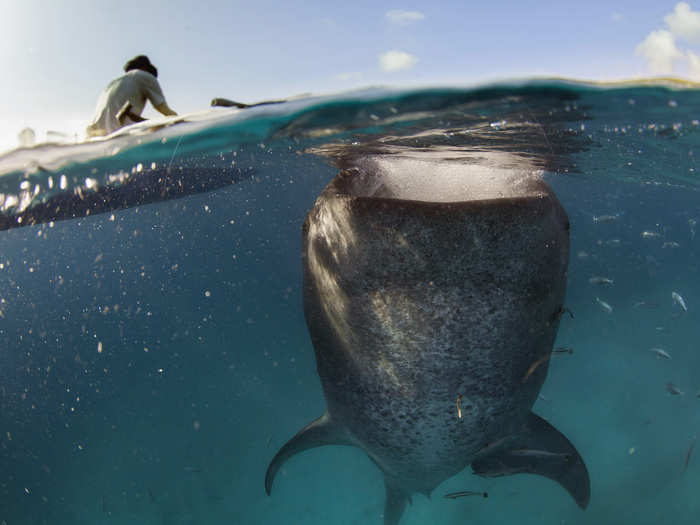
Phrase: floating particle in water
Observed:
(650, 235)
(99, 347)
(207, 293)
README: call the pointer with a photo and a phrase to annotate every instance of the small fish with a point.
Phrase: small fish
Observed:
(673, 389)
(563, 350)
(678, 299)
(671, 244)
(534, 366)
(604, 218)
(660, 353)
(459, 408)
(561, 311)
(495, 444)
(455, 495)
(496, 471)
(687, 455)
(526, 452)
(192, 470)
(650, 235)
(646, 304)
(605, 306)
(600, 280)
(151, 497)
(613, 243)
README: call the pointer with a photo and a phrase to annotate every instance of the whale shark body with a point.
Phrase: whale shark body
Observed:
(432, 294)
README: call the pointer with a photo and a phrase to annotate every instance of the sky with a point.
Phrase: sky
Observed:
(56, 57)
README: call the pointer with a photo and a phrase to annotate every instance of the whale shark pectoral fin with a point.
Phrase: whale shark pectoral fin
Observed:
(396, 500)
(320, 432)
(539, 448)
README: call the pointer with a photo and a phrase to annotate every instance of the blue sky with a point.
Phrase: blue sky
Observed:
(57, 56)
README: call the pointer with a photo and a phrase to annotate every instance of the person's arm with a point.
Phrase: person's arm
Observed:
(165, 109)
(153, 92)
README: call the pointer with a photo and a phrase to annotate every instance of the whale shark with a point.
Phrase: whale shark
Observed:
(433, 292)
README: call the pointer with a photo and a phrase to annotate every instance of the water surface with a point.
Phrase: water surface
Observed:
(153, 349)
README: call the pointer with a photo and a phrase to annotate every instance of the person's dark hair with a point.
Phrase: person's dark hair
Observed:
(141, 62)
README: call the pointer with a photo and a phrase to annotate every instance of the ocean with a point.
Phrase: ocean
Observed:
(154, 354)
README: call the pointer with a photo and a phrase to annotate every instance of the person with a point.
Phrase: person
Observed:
(122, 101)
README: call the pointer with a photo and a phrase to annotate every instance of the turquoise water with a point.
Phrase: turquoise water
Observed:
(153, 349)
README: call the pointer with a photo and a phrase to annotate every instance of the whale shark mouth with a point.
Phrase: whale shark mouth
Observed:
(402, 176)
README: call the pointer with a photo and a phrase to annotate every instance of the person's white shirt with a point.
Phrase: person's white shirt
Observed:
(136, 87)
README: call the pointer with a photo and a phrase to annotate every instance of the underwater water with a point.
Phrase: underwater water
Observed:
(154, 354)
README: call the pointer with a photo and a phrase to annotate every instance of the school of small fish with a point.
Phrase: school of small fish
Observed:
(603, 281)
(656, 238)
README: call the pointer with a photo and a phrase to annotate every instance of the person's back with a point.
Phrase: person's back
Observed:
(133, 89)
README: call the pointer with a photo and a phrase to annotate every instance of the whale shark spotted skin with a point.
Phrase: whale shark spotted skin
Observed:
(430, 289)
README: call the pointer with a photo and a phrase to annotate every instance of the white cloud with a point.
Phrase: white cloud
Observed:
(684, 22)
(659, 48)
(693, 65)
(617, 17)
(396, 61)
(402, 17)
